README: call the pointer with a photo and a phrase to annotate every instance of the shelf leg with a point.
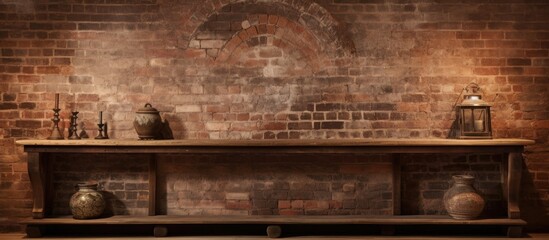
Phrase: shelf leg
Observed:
(513, 184)
(274, 231)
(514, 231)
(152, 185)
(37, 175)
(160, 231)
(33, 231)
(397, 184)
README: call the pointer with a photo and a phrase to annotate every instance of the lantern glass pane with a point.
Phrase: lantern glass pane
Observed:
(468, 116)
(479, 119)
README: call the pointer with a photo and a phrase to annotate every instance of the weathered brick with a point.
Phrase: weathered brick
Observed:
(519, 62)
(300, 126)
(332, 125)
(117, 57)
(27, 105)
(328, 107)
(273, 126)
(468, 35)
(383, 106)
(6, 105)
(28, 123)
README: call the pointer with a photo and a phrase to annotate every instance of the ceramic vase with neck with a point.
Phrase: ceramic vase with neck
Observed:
(87, 202)
(462, 200)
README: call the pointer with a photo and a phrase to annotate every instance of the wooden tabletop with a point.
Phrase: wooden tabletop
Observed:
(282, 143)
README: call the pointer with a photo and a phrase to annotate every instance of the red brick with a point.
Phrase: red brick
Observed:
(468, 35)
(329, 125)
(28, 123)
(290, 212)
(252, 31)
(242, 205)
(7, 106)
(537, 53)
(273, 19)
(300, 126)
(284, 204)
(217, 108)
(297, 204)
(511, 70)
(493, 62)
(474, 26)
(519, 62)
(472, 44)
(273, 126)
(486, 71)
(263, 19)
(536, 71)
(48, 70)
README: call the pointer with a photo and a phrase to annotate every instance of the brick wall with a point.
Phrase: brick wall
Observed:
(275, 185)
(276, 70)
(122, 179)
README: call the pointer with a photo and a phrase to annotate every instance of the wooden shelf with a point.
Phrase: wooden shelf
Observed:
(340, 219)
(39, 165)
(275, 224)
(282, 143)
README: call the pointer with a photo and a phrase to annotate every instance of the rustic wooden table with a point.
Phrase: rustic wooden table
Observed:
(38, 167)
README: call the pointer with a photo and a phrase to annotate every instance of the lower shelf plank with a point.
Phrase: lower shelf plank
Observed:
(371, 220)
(275, 224)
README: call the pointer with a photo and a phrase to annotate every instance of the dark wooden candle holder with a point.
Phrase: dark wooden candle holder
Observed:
(56, 133)
(73, 132)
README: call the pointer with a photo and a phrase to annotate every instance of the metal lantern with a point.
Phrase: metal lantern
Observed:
(474, 115)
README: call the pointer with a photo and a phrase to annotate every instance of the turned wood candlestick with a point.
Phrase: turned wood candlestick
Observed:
(73, 132)
(55, 132)
(100, 130)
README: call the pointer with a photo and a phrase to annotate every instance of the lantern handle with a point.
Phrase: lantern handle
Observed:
(474, 88)
(460, 94)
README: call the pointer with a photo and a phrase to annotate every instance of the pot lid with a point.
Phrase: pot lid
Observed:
(147, 109)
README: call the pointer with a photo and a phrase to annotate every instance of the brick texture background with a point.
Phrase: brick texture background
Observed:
(279, 185)
(243, 69)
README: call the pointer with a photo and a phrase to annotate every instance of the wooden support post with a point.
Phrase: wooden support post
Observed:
(33, 231)
(513, 184)
(514, 231)
(152, 185)
(274, 231)
(396, 184)
(160, 231)
(37, 175)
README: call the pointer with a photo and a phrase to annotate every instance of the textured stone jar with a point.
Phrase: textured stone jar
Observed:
(147, 122)
(462, 200)
(87, 202)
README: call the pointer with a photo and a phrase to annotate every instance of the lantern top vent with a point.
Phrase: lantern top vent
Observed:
(473, 97)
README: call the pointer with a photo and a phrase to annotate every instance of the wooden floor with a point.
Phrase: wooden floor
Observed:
(528, 236)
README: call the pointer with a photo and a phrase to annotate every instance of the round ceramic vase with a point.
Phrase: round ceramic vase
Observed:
(147, 122)
(87, 202)
(462, 200)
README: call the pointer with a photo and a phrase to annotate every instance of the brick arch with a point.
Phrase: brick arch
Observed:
(279, 32)
(307, 13)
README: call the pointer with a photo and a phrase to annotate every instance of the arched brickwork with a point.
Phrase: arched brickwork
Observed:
(278, 32)
(311, 16)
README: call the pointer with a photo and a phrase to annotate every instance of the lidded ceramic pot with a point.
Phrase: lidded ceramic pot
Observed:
(462, 200)
(87, 202)
(147, 122)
